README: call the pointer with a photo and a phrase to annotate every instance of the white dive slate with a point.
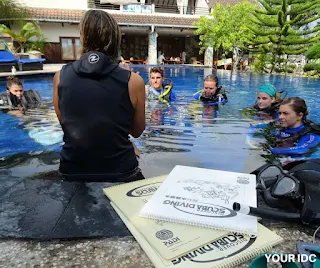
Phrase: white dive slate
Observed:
(204, 197)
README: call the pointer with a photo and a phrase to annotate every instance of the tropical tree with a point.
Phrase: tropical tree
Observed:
(11, 10)
(282, 27)
(38, 45)
(226, 28)
(27, 32)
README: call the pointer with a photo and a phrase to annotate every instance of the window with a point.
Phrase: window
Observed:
(70, 48)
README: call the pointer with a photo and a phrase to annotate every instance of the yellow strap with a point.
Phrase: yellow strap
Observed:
(166, 92)
(164, 100)
(197, 92)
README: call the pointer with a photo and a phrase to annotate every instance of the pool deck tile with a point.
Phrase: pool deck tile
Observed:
(47, 69)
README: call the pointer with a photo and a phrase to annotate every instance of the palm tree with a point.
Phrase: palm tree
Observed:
(12, 10)
(28, 31)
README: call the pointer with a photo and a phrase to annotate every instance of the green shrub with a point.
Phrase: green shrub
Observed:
(312, 67)
(284, 68)
(261, 62)
(314, 51)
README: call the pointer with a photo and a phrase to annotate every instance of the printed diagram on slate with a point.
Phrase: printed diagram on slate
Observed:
(212, 190)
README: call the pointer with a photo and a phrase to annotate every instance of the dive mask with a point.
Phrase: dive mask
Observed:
(278, 185)
(296, 192)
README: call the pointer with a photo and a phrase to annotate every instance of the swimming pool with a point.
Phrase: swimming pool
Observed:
(183, 133)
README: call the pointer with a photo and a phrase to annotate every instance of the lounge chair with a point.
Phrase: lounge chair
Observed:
(30, 64)
(7, 60)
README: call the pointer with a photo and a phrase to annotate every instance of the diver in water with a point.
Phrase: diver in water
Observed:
(268, 101)
(296, 135)
(15, 98)
(211, 92)
(267, 104)
(158, 90)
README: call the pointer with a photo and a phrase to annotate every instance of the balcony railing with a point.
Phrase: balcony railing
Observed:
(149, 8)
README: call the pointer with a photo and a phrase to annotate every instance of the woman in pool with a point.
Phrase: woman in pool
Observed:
(211, 93)
(98, 105)
(16, 100)
(266, 106)
(296, 135)
(268, 102)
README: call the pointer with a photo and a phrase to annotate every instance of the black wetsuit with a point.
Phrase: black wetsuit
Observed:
(30, 99)
(271, 111)
(96, 118)
(219, 93)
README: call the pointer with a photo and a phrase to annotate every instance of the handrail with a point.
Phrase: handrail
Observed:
(158, 8)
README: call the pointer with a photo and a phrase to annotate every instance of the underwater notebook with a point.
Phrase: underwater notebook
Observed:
(228, 251)
(169, 239)
(204, 198)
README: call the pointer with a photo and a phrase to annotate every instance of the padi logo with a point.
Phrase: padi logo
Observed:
(144, 190)
(229, 245)
(168, 238)
(201, 210)
(164, 234)
(243, 180)
(93, 58)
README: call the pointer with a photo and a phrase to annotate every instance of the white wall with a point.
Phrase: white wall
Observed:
(62, 4)
(202, 7)
(52, 31)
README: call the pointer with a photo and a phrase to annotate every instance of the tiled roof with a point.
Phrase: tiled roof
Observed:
(56, 14)
(45, 14)
(212, 3)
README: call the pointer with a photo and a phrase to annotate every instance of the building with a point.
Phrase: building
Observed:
(147, 27)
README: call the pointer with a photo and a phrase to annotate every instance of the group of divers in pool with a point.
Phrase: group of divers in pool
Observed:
(285, 125)
(283, 122)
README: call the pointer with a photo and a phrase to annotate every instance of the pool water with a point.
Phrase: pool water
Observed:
(184, 133)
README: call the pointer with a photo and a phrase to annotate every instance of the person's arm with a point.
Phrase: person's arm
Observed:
(17, 113)
(173, 96)
(303, 146)
(56, 81)
(259, 126)
(197, 95)
(137, 94)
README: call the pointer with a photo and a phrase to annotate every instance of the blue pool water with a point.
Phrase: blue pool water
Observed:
(184, 133)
